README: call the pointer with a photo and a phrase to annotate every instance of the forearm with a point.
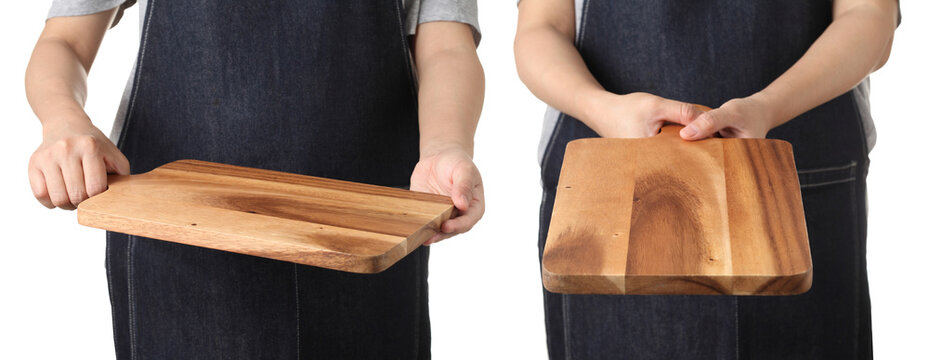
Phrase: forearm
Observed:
(553, 70)
(56, 83)
(855, 44)
(549, 64)
(56, 78)
(451, 87)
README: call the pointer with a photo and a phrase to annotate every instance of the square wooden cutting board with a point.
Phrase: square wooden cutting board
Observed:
(309, 220)
(665, 216)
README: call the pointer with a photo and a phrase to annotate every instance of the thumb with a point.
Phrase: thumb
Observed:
(704, 126)
(463, 187)
(117, 163)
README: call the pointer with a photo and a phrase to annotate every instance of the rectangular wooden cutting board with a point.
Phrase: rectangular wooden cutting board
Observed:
(665, 216)
(315, 221)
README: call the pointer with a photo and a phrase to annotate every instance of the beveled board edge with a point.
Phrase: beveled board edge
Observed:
(763, 285)
(366, 264)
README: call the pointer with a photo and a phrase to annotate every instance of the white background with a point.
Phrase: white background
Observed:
(485, 288)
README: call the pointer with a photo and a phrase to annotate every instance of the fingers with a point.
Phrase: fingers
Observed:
(37, 182)
(57, 190)
(465, 220)
(66, 171)
(453, 174)
(436, 238)
(73, 173)
(94, 175)
(690, 112)
(678, 112)
(468, 195)
(116, 162)
(463, 183)
(704, 126)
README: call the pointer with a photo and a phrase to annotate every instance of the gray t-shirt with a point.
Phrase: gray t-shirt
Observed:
(415, 11)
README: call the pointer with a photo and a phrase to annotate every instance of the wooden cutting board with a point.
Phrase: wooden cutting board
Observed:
(328, 223)
(665, 216)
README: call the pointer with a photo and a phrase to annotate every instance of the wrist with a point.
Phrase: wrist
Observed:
(436, 146)
(590, 106)
(57, 122)
(772, 108)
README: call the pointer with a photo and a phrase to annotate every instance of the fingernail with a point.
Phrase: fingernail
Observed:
(688, 132)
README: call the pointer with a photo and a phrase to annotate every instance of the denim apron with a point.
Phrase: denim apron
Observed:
(322, 88)
(708, 52)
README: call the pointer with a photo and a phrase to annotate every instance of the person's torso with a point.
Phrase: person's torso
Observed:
(321, 88)
(704, 52)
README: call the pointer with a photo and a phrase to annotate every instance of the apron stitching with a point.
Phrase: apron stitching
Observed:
(737, 329)
(862, 222)
(807, 186)
(861, 232)
(859, 256)
(129, 264)
(109, 285)
(297, 302)
(419, 295)
(567, 321)
(137, 76)
(831, 168)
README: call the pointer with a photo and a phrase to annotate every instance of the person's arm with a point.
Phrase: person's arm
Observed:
(551, 67)
(451, 95)
(856, 43)
(72, 162)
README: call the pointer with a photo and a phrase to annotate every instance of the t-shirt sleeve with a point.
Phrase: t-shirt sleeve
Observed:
(423, 11)
(86, 7)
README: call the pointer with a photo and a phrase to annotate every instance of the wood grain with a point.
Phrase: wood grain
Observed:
(666, 216)
(308, 220)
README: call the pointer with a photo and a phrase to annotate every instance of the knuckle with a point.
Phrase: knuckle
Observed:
(61, 149)
(709, 121)
(62, 145)
(652, 102)
(77, 196)
(95, 188)
(34, 160)
(39, 157)
(689, 111)
(87, 143)
(40, 194)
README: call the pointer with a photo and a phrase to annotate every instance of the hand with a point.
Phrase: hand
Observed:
(749, 117)
(71, 164)
(451, 172)
(636, 115)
